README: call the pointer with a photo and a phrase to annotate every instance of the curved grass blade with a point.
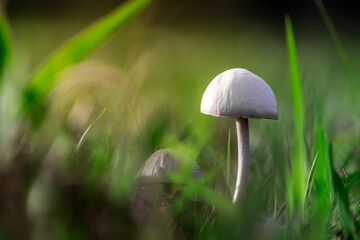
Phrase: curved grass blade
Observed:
(298, 152)
(5, 42)
(87, 130)
(310, 180)
(341, 51)
(357, 209)
(351, 179)
(74, 51)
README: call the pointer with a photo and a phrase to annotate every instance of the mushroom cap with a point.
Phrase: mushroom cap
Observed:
(164, 161)
(239, 93)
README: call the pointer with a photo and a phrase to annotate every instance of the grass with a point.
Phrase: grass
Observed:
(5, 42)
(322, 177)
(298, 154)
(151, 90)
(341, 51)
(74, 51)
(78, 145)
(342, 199)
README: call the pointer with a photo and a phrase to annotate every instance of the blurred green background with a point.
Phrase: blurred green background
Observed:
(148, 79)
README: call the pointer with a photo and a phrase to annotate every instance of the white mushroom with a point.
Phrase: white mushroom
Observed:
(238, 93)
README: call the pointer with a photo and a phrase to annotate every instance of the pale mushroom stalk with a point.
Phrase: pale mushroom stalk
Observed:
(242, 131)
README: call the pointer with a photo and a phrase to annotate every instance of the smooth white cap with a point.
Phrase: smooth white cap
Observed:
(239, 93)
(164, 161)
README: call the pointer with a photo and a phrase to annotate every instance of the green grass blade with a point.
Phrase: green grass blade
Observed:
(351, 179)
(310, 180)
(281, 211)
(298, 152)
(228, 158)
(210, 197)
(76, 50)
(87, 130)
(342, 198)
(357, 209)
(289, 190)
(340, 49)
(322, 178)
(5, 41)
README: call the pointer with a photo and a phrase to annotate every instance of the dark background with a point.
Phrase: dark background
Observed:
(215, 9)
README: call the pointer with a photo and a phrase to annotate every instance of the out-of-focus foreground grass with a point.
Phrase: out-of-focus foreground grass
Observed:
(66, 173)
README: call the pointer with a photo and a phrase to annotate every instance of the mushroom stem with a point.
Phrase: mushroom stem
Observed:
(242, 130)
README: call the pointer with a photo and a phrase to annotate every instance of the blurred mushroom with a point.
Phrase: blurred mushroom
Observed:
(157, 167)
(160, 180)
(238, 93)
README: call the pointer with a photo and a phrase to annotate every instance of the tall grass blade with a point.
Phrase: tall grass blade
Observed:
(341, 51)
(298, 152)
(74, 51)
(5, 42)
(228, 158)
(342, 198)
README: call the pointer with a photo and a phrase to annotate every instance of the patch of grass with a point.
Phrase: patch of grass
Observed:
(64, 187)
(342, 198)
